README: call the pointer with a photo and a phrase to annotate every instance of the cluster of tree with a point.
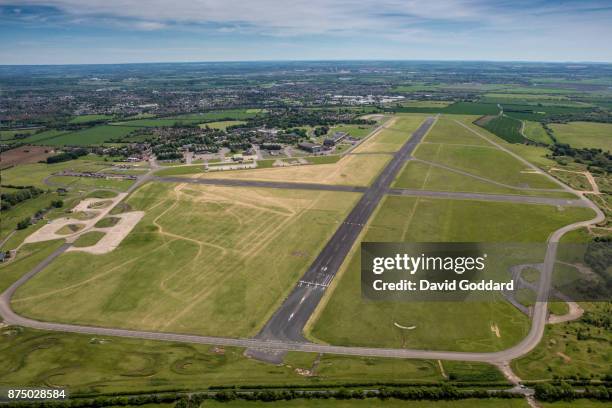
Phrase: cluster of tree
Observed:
(321, 131)
(595, 115)
(433, 393)
(24, 223)
(168, 155)
(23, 194)
(565, 392)
(602, 319)
(66, 156)
(596, 159)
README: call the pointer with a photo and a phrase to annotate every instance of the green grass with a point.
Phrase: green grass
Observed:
(88, 239)
(323, 159)
(8, 135)
(209, 272)
(101, 194)
(90, 118)
(505, 127)
(423, 176)
(91, 183)
(577, 403)
(28, 257)
(394, 136)
(85, 137)
(34, 174)
(535, 131)
(492, 164)
(348, 320)
(93, 364)
(195, 118)
(222, 124)
(457, 108)
(590, 356)
(107, 222)
(584, 134)
(448, 131)
(355, 131)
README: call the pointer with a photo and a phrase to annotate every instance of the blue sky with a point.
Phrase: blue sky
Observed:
(117, 31)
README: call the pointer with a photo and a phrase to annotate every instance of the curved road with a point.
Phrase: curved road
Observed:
(500, 358)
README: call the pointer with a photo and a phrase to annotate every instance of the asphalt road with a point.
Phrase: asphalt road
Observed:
(301, 307)
(490, 197)
(263, 184)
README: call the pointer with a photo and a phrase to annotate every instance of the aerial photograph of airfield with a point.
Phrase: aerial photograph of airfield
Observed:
(194, 197)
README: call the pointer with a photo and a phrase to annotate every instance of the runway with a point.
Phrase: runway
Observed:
(289, 320)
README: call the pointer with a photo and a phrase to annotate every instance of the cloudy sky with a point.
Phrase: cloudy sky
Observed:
(114, 31)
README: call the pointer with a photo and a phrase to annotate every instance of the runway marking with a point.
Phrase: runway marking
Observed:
(312, 284)
(291, 317)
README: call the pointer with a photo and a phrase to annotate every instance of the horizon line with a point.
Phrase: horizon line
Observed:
(309, 60)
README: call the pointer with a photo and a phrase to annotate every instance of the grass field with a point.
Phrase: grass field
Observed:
(424, 176)
(584, 134)
(534, 131)
(357, 170)
(88, 239)
(355, 131)
(505, 127)
(561, 353)
(222, 124)
(198, 262)
(88, 364)
(90, 118)
(396, 132)
(195, 118)
(91, 136)
(91, 183)
(8, 135)
(486, 162)
(344, 318)
(447, 131)
(29, 256)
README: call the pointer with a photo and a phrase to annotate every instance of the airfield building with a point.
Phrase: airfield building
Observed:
(310, 147)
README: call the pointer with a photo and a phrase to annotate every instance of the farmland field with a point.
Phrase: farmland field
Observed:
(505, 127)
(90, 118)
(584, 134)
(91, 136)
(189, 265)
(344, 318)
(222, 124)
(195, 118)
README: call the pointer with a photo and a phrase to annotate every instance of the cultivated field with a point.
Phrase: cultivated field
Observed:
(24, 155)
(207, 260)
(584, 134)
(347, 319)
